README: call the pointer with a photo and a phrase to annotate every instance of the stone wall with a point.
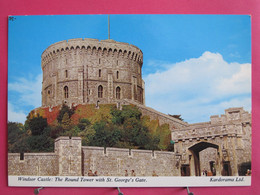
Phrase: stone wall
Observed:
(80, 66)
(33, 164)
(114, 162)
(208, 155)
(70, 158)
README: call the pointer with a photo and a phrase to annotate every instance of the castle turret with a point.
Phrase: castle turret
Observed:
(90, 71)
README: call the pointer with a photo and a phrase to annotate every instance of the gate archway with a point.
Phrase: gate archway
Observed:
(196, 149)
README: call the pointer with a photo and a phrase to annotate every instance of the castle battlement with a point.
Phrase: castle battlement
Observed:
(231, 115)
(230, 124)
(93, 47)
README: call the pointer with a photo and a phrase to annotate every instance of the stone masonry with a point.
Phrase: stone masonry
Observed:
(228, 137)
(72, 159)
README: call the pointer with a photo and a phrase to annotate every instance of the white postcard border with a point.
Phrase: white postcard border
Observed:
(81, 181)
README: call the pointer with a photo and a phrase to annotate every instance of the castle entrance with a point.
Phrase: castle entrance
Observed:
(197, 162)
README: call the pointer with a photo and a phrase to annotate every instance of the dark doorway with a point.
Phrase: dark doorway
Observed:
(212, 165)
(226, 171)
(243, 168)
(185, 170)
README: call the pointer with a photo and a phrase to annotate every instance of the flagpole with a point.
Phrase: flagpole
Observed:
(108, 26)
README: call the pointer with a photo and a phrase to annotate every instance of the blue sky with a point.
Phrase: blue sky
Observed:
(194, 65)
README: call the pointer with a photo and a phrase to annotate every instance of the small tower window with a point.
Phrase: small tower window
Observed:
(99, 72)
(100, 91)
(141, 96)
(66, 92)
(118, 91)
(117, 74)
(99, 60)
(66, 73)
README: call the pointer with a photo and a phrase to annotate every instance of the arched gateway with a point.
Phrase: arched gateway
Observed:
(195, 151)
(218, 147)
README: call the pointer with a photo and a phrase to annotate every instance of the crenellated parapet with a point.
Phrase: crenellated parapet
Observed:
(93, 47)
(230, 124)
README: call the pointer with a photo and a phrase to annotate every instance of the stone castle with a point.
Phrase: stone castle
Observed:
(89, 71)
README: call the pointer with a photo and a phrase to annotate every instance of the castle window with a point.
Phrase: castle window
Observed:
(21, 156)
(99, 72)
(141, 96)
(118, 90)
(100, 91)
(66, 73)
(117, 74)
(99, 60)
(66, 92)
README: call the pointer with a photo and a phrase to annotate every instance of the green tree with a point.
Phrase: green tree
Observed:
(87, 135)
(17, 136)
(42, 142)
(153, 143)
(56, 131)
(83, 123)
(64, 109)
(66, 122)
(128, 111)
(37, 125)
(101, 137)
(176, 116)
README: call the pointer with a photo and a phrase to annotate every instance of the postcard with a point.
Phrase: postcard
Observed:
(129, 100)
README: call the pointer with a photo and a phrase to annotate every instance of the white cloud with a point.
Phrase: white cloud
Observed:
(200, 87)
(237, 83)
(15, 116)
(28, 90)
(24, 94)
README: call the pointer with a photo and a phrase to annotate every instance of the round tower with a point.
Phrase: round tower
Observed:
(91, 71)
